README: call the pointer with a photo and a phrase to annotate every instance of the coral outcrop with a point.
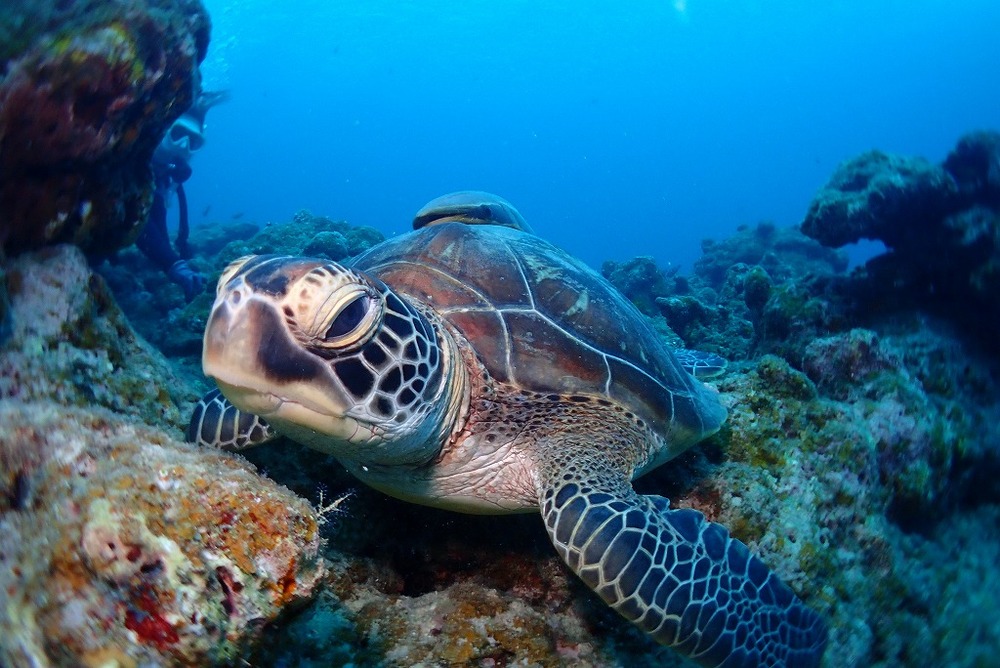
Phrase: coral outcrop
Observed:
(861, 443)
(940, 224)
(87, 90)
(878, 196)
(747, 295)
(120, 545)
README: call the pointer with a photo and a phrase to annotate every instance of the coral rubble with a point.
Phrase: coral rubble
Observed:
(87, 90)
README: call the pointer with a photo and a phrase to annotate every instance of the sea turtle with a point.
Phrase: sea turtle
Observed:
(471, 365)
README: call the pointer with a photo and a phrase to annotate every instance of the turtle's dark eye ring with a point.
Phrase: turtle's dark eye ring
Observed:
(349, 318)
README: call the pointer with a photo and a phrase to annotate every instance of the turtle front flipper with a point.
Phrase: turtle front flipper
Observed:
(681, 579)
(217, 423)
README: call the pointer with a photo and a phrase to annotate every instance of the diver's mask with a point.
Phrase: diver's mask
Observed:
(184, 138)
(187, 135)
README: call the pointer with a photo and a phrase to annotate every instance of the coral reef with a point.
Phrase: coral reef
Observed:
(848, 478)
(748, 292)
(780, 251)
(878, 196)
(849, 481)
(87, 90)
(448, 589)
(120, 545)
(941, 225)
(859, 459)
(863, 451)
(305, 234)
(123, 547)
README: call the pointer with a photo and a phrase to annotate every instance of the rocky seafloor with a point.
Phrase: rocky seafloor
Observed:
(860, 460)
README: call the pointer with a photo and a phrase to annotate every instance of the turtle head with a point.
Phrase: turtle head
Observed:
(331, 358)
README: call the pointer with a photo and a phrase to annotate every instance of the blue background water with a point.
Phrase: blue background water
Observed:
(617, 128)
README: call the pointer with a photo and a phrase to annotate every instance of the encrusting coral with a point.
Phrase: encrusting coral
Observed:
(70, 343)
(121, 546)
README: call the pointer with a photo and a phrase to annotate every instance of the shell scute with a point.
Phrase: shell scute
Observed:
(546, 358)
(537, 317)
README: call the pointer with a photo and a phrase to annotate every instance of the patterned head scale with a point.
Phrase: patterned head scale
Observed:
(327, 355)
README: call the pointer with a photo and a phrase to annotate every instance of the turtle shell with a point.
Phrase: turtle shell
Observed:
(543, 321)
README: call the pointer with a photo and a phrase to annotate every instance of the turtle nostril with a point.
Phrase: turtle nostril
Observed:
(235, 297)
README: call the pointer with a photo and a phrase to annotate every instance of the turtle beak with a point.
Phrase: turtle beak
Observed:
(229, 348)
(261, 369)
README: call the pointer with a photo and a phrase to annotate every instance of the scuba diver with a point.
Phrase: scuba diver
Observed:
(171, 168)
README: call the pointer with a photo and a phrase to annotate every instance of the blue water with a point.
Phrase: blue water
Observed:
(617, 128)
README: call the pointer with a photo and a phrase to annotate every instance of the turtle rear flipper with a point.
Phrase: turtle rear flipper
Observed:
(217, 423)
(681, 579)
(701, 364)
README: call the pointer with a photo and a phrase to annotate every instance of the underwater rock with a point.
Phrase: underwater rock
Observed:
(120, 546)
(839, 495)
(734, 307)
(685, 311)
(361, 237)
(796, 313)
(70, 343)
(848, 455)
(757, 285)
(87, 90)
(941, 224)
(879, 196)
(156, 307)
(6, 319)
(975, 164)
(409, 585)
(640, 280)
(331, 245)
(709, 321)
(750, 291)
(838, 362)
(207, 239)
(303, 231)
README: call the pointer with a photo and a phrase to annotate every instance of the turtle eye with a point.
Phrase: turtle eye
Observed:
(349, 319)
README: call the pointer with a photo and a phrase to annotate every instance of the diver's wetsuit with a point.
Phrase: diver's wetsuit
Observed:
(154, 241)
